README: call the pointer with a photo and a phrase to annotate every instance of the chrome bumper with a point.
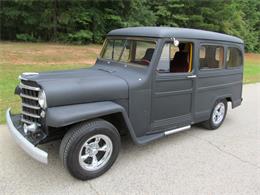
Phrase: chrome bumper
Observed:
(27, 146)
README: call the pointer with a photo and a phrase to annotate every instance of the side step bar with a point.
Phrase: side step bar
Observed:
(148, 138)
(177, 130)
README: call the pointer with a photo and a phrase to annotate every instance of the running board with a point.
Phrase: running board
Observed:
(177, 130)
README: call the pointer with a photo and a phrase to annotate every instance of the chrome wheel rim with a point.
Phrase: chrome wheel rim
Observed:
(218, 113)
(95, 152)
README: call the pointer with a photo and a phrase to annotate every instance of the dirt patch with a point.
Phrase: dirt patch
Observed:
(35, 53)
(253, 57)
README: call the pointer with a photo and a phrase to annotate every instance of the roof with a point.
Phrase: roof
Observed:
(161, 32)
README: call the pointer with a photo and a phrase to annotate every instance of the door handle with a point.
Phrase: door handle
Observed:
(192, 76)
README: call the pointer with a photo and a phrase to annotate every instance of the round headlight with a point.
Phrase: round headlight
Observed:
(42, 99)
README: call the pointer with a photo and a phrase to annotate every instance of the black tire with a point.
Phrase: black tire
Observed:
(209, 124)
(73, 141)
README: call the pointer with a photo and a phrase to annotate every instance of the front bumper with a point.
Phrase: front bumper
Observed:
(24, 143)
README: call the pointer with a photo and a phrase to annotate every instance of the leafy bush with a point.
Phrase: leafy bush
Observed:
(83, 36)
(26, 38)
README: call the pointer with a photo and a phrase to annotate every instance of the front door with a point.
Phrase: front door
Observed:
(173, 88)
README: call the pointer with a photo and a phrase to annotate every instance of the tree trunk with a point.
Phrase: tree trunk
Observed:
(55, 19)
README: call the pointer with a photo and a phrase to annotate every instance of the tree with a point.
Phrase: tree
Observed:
(83, 22)
(169, 12)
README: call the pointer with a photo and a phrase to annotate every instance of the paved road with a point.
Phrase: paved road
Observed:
(226, 161)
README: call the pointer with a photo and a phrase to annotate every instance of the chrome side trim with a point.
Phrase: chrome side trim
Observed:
(29, 87)
(30, 114)
(177, 130)
(31, 106)
(29, 97)
(192, 76)
(28, 147)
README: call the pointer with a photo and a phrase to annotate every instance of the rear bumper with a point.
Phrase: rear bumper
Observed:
(24, 143)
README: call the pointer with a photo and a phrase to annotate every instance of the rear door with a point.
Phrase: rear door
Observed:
(219, 76)
(212, 81)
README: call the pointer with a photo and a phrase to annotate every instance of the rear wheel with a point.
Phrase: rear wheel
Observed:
(89, 149)
(217, 116)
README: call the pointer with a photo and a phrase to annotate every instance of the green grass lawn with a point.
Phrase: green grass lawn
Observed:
(16, 58)
(252, 68)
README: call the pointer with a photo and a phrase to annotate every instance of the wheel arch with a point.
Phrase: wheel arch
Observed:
(227, 97)
(118, 120)
(217, 98)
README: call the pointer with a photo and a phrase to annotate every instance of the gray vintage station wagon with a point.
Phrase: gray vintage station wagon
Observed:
(148, 81)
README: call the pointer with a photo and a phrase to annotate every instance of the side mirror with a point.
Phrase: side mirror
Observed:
(175, 42)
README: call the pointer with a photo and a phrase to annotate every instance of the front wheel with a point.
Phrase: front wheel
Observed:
(89, 149)
(217, 116)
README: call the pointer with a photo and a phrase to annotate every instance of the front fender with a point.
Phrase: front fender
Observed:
(66, 115)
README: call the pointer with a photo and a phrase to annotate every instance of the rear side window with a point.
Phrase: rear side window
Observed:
(211, 57)
(234, 57)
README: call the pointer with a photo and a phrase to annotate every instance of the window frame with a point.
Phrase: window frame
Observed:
(224, 56)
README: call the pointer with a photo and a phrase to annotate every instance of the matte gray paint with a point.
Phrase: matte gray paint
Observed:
(151, 103)
(80, 86)
(76, 113)
(162, 32)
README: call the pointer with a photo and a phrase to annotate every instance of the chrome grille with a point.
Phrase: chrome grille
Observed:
(31, 109)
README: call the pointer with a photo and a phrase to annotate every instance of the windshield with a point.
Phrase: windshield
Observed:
(129, 51)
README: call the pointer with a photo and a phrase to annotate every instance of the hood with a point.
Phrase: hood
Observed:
(80, 86)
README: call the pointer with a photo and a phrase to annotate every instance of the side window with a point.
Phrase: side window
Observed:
(234, 57)
(175, 59)
(211, 57)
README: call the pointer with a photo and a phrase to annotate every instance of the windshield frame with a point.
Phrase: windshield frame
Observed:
(144, 39)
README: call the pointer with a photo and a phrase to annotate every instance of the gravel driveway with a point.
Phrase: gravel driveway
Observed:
(225, 161)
